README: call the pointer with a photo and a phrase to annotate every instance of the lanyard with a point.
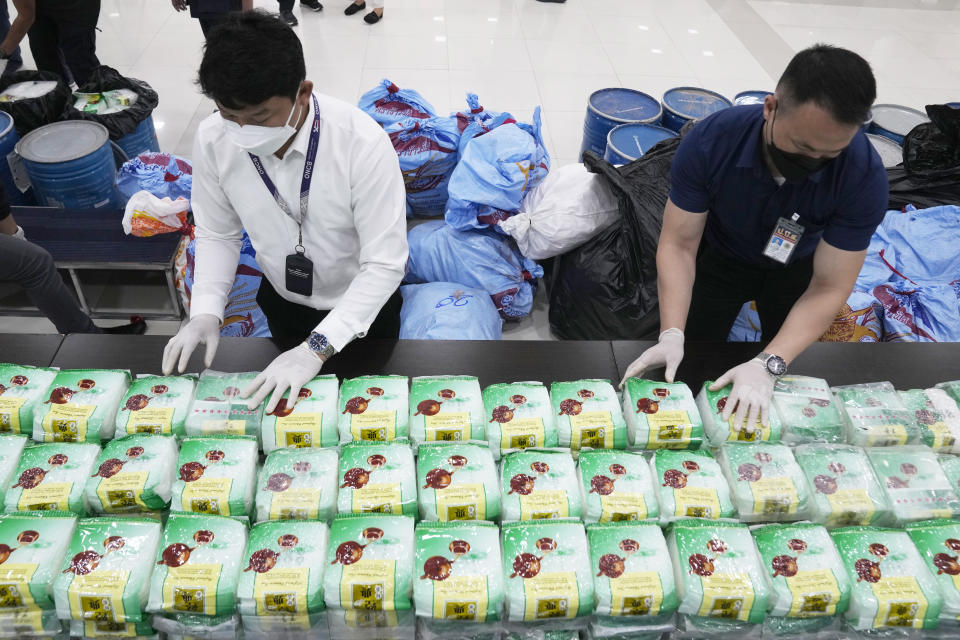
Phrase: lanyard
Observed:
(304, 182)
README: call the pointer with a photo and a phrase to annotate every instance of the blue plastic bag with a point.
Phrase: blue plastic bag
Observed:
(448, 311)
(495, 173)
(427, 150)
(476, 121)
(162, 174)
(387, 103)
(479, 259)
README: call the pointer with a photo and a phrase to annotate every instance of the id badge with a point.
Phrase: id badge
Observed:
(784, 239)
(299, 274)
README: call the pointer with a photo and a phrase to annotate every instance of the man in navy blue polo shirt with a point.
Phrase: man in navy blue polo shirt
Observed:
(774, 203)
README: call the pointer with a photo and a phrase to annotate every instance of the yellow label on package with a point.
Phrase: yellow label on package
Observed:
(460, 598)
(157, 421)
(636, 594)
(727, 595)
(521, 433)
(551, 595)
(669, 430)
(98, 596)
(367, 619)
(900, 602)
(191, 588)
(207, 495)
(378, 498)
(591, 430)
(47, 496)
(10, 414)
(67, 423)
(448, 427)
(123, 492)
(774, 496)
(15, 585)
(886, 435)
(850, 507)
(296, 503)
(281, 591)
(299, 430)
(696, 502)
(374, 425)
(223, 427)
(815, 593)
(544, 504)
(109, 629)
(943, 439)
(621, 507)
(368, 585)
(461, 502)
(738, 433)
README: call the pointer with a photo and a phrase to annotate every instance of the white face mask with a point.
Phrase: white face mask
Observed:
(258, 140)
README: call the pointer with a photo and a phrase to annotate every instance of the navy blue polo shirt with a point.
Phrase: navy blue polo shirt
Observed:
(719, 168)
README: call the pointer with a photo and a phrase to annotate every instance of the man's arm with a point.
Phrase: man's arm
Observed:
(26, 10)
(677, 263)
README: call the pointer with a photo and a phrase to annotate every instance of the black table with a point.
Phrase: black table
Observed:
(35, 350)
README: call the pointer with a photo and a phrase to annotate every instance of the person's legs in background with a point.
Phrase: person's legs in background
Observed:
(721, 287)
(207, 24)
(44, 37)
(79, 46)
(286, 12)
(359, 5)
(14, 61)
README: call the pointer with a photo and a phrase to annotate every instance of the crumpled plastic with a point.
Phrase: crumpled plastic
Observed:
(147, 215)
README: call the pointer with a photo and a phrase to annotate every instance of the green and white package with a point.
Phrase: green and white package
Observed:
(142, 630)
(766, 482)
(134, 473)
(197, 565)
(217, 408)
(377, 477)
(588, 415)
(81, 406)
(951, 468)
(311, 421)
(661, 415)
(717, 571)
(187, 626)
(633, 577)
(156, 404)
(804, 569)
(446, 409)
(105, 577)
(938, 542)
(374, 408)
(459, 571)
(22, 392)
(457, 482)
(24, 623)
(539, 484)
(547, 569)
(952, 389)
(711, 405)
(32, 546)
(283, 570)
(690, 485)
(937, 415)
(519, 415)
(52, 477)
(370, 563)
(11, 448)
(806, 410)
(875, 416)
(845, 489)
(916, 486)
(216, 476)
(298, 484)
(891, 585)
(617, 486)
(359, 624)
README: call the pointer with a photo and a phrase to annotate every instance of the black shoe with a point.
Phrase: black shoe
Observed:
(289, 18)
(354, 8)
(137, 327)
(371, 18)
(313, 5)
(557, 1)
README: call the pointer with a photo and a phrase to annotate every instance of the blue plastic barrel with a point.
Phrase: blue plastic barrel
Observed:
(70, 165)
(628, 142)
(751, 97)
(608, 108)
(895, 121)
(8, 141)
(142, 140)
(954, 105)
(890, 152)
(683, 104)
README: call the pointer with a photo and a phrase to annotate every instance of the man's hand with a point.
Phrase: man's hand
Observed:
(752, 390)
(290, 370)
(180, 5)
(667, 352)
(205, 329)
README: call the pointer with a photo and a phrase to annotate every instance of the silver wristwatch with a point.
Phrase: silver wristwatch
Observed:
(319, 344)
(775, 365)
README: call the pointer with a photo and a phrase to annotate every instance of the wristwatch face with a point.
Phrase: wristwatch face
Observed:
(318, 342)
(776, 365)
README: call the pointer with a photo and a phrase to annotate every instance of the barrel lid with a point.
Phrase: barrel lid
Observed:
(751, 97)
(693, 102)
(890, 152)
(625, 105)
(6, 123)
(62, 141)
(897, 118)
(633, 140)
(954, 105)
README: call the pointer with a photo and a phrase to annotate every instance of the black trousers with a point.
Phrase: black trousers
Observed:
(291, 323)
(286, 5)
(64, 41)
(723, 284)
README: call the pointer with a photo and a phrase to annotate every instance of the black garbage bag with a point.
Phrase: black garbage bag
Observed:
(606, 289)
(121, 123)
(31, 113)
(930, 173)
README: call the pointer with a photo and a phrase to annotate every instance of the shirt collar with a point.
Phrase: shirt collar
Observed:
(302, 140)
(751, 157)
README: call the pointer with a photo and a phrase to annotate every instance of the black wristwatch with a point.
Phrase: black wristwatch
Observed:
(775, 365)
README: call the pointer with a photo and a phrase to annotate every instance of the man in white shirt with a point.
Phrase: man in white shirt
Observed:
(317, 186)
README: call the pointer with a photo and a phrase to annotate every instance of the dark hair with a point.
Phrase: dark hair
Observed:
(834, 79)
(249, 58)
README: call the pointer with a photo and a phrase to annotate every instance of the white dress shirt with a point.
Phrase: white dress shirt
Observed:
(355, 229)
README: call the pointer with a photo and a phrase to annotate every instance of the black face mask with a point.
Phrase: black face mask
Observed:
(794, 167)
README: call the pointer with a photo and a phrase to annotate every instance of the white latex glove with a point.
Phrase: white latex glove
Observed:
(290, 370)
(667, 352)
(752, 391)
(205, 329)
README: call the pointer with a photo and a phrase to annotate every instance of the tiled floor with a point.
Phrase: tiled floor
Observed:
(517, 54)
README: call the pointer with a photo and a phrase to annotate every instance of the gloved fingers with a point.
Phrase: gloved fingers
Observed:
(295, 392)
(635, 370)
(722, 381)
(281, 385)
(255, 384)
(187, 345)
(753, 412)
(262, 393)
(765, 413)
(213, 341)
(171, 352)
(671, 372)
(733, 402)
